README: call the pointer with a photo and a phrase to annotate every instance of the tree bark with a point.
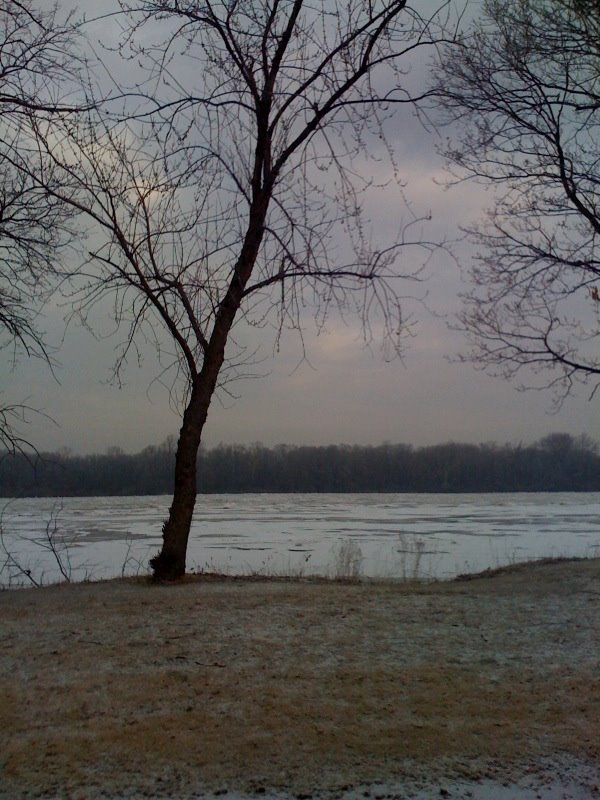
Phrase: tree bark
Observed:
(170, 563)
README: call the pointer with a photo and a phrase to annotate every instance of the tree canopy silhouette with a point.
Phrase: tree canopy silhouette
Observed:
(228, 192)
(524, 82)
(38, 59)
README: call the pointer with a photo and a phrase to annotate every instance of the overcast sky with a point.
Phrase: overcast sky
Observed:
(343, 391)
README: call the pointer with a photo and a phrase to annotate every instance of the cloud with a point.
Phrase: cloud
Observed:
(344, 391)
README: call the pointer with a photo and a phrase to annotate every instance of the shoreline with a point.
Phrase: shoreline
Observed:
(397, 537)
(125, 688)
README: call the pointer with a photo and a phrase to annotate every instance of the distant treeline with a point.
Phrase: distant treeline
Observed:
(558, 462)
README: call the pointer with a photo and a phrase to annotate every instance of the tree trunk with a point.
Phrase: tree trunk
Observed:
(169, 564)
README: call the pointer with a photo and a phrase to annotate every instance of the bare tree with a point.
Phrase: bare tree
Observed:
(523, 89)
(37, 63)
(233, 194)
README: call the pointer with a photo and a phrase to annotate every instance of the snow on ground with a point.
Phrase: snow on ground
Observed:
(486, 688)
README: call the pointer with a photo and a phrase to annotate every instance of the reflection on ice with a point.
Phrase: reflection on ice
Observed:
(397, 536)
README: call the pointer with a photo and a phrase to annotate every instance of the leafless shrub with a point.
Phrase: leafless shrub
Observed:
(410, 552)
(12, 570)
(132, 564)
(348, 560)
(15, 571)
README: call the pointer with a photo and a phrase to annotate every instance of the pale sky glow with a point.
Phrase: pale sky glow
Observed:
(343, 391)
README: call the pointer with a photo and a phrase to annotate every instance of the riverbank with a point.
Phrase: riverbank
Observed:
(126, 689)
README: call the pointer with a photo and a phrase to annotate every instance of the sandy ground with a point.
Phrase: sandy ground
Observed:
(487, 688)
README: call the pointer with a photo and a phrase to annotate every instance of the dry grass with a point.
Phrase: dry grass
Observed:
(126, 685)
